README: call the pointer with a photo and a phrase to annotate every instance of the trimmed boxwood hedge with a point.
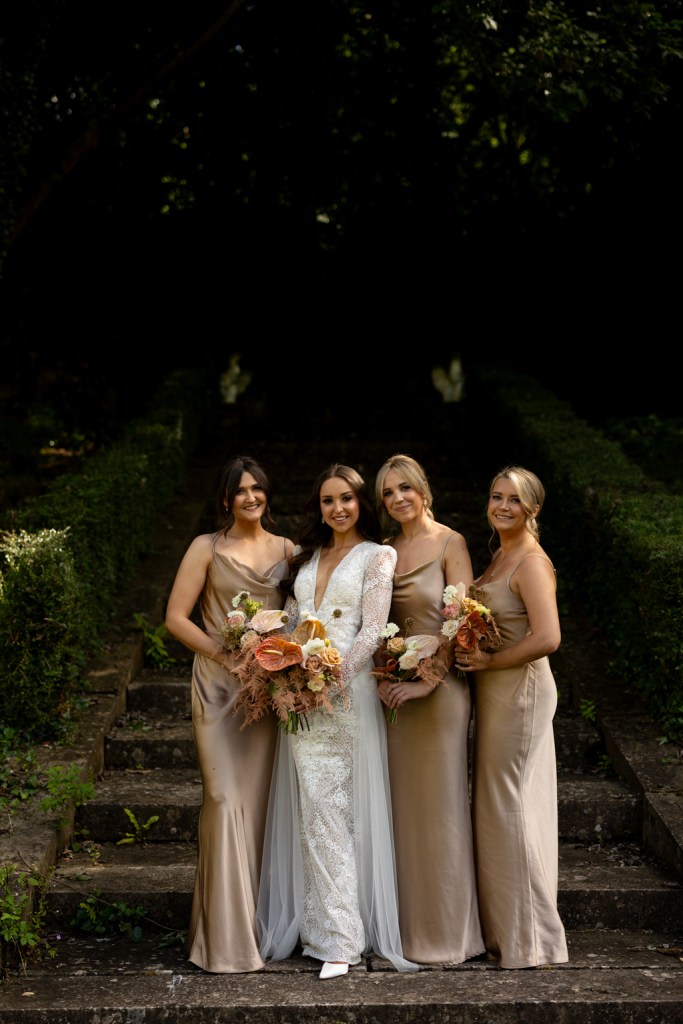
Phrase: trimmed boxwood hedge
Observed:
(617, 535)
(64, 556)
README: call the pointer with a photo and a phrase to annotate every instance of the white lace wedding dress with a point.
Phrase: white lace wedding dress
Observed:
(329, 875)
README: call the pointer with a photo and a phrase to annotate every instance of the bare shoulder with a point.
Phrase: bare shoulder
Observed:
(201, 550)
(539, 559)
(455, 540)
(536, 566)
(454, 545)
(203, 542)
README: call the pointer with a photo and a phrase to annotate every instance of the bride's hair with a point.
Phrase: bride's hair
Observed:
(315, 533)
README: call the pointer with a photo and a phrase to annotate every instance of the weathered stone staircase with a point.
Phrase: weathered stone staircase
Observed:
(623, 910)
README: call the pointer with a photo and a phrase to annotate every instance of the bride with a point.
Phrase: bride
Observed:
(328, 876)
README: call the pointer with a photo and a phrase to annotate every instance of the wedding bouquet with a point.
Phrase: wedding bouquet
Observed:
(291, 669)
(247, 621)
(409, 658)
(469, 623)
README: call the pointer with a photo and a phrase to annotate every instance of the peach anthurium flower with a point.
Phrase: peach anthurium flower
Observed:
(309, 629)
(418, 647)
(266, 620)
(276, 653)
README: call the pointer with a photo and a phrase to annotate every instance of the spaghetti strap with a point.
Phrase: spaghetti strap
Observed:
(531, 554)
(443, 549)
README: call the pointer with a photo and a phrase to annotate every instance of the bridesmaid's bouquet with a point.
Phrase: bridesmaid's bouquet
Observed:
(409, 659)
(290, 670)
(248, 621)
(469, 623)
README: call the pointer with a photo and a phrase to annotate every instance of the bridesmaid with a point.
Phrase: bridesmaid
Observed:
(428, 744)
(235, 764)
(515, 772)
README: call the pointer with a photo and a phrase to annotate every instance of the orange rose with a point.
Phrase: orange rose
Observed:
(330, 656)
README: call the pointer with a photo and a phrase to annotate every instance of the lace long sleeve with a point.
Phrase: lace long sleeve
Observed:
(291, 609)
(376, 601)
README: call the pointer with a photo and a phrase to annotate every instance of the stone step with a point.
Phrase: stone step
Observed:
(578, 744)
(157, 773)
(158, 696)
(145, 742)
(594, 809)
(600, 886)
(157, 701)
(633, 977)
(174, 794)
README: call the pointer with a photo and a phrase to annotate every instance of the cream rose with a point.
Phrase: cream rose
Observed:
(312, 646)
(409, 660)
(450, 628)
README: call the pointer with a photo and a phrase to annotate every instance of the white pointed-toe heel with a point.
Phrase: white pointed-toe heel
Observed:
(332, 970)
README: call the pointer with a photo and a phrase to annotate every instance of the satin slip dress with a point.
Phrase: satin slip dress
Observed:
(429, 779)
(515, 799)
(236, 767)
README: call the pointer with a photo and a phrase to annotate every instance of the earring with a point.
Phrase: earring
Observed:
(322, 520)
(424, 503)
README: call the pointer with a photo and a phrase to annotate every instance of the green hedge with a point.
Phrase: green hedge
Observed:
(69, 552)
(617, 535)
(43, 632)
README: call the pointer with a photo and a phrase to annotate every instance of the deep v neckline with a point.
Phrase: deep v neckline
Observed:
(316, 608)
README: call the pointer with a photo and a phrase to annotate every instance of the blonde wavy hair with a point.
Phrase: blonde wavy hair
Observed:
(412, 473)
(530, 491)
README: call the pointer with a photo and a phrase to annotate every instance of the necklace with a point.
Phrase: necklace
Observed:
(497, 562)
(495, 566)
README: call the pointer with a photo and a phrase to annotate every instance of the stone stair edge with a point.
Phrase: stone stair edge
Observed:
(588, 994)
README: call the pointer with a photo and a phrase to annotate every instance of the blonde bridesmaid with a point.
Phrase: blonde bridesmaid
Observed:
(428, 743)
(515, 771)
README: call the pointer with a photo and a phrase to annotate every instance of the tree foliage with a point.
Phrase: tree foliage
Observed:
(227, 138)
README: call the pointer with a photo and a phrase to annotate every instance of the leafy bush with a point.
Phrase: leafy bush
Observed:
(44, 630)
(58, 584)
(22, 915)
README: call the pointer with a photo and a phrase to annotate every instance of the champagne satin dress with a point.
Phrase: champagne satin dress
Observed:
(236, 768)
(515, 799)
(428, 772)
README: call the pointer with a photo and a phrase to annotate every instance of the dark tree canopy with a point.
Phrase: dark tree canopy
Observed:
(191, 180)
